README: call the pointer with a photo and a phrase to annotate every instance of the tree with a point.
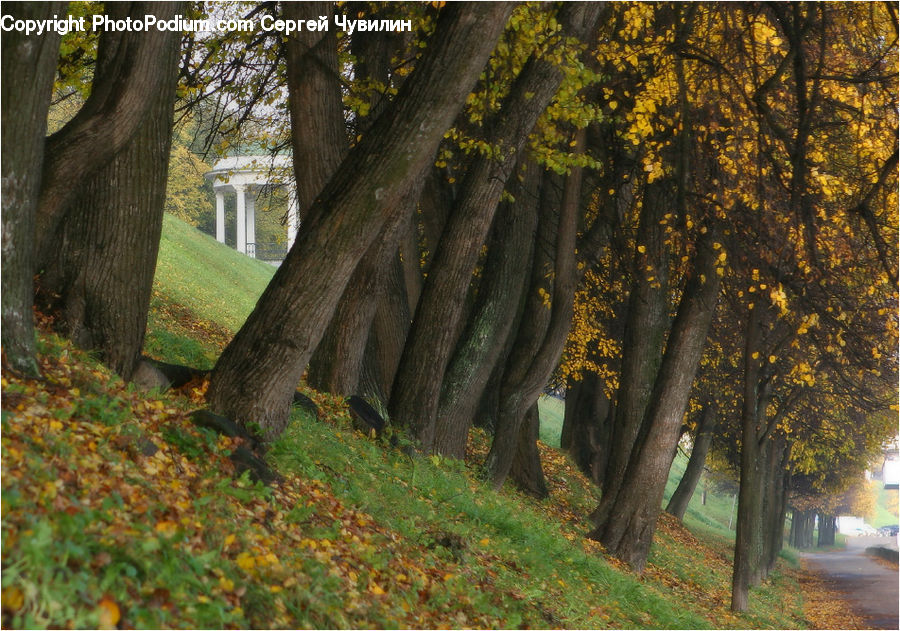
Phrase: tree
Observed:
(681, 497)
(28, 65)
(254, 378)
(99, 280)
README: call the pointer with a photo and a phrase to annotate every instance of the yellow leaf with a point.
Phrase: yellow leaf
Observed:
(485, 541)
(13, 598)
(245, 561)
(641, 249)
(108, 612)
(375, 589)
(167, 528)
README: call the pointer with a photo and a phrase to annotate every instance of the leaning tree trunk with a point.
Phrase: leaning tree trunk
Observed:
(630, 517)
(257, 373)
(28, 67)
(99, 281)
(680, 499)
(645, 327)
(499, 296)
(432, 337)
(122, 91)
(538, 344)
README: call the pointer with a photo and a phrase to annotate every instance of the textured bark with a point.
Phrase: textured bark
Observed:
(416, 393)
(646, 323)
(111, 116)
(774, 505)
(587, 425)
(542, 332)
(627, 531)
(680, 499)
(802, 526)
(28, 66)
(318, 136)
(257, 373)
(337, 362)
(748, 542)
(99, 281)
(526, 471)
(499, 296)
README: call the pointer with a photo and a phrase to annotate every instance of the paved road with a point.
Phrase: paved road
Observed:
(871, 588)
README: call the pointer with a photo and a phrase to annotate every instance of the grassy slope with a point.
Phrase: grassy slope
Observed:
(95, 531)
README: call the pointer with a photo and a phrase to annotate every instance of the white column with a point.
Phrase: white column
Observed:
(241, 245)
(220, 215)
(293, 215)
(251, 219)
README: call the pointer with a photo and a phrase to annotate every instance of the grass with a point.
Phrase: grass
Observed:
(100, 530)
(552, 412)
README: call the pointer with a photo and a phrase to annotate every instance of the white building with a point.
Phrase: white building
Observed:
(245, 177)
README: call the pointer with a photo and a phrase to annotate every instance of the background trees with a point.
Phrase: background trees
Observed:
(701, 198)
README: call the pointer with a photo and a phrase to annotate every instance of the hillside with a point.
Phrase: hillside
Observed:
(119, 512)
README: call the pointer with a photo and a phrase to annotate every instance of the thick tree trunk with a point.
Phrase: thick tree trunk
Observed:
(99, 281)
(257, 373)
(526, 471)
(587, 425)
(432, 337)
(706, 426)
(630, 520)
(318, 136)
(645, 327)
(28, 67)
(803, 523)
(117, 107)
(499, 297)
(541, 338)
(336, 364)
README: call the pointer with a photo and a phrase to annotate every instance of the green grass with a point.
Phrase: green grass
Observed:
(552, 412)
(445, 548)
(885, 506)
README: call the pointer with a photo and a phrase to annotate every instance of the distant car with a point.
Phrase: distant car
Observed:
(889, 531)
(864, 530)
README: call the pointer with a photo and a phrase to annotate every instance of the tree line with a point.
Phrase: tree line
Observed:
(685, 214)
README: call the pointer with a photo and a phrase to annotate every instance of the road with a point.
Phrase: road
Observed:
(870, 587)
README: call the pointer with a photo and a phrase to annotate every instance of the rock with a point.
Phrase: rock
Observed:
(245, 460)
(365, 418)
(148, 377)
(307, 404)
(224, 426)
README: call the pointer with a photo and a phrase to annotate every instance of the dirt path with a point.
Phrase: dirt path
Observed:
(870, 587)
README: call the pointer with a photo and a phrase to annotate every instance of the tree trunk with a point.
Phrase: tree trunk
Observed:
(541, 337)
(117, 107)
(257, 373)
(747, 545)
(100, 279)
(627, 531)
(318, 136)
(706, 427)
(642, 344)
(827, 530)
(499, 296)
(587, 425)
(28, 68)
(526, 472)
(432, 337)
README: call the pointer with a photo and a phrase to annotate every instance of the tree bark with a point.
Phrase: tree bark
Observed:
(499, 297)
(747, 546)
(680, 499)
(627, 531)
(100, 279)
(827, 530)
(432, 337)
(28, 67)
(645, 327)
(526, 472)
(257, 373)
(541, 338)
(318, 136)
(111, 116)
(587, 425)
